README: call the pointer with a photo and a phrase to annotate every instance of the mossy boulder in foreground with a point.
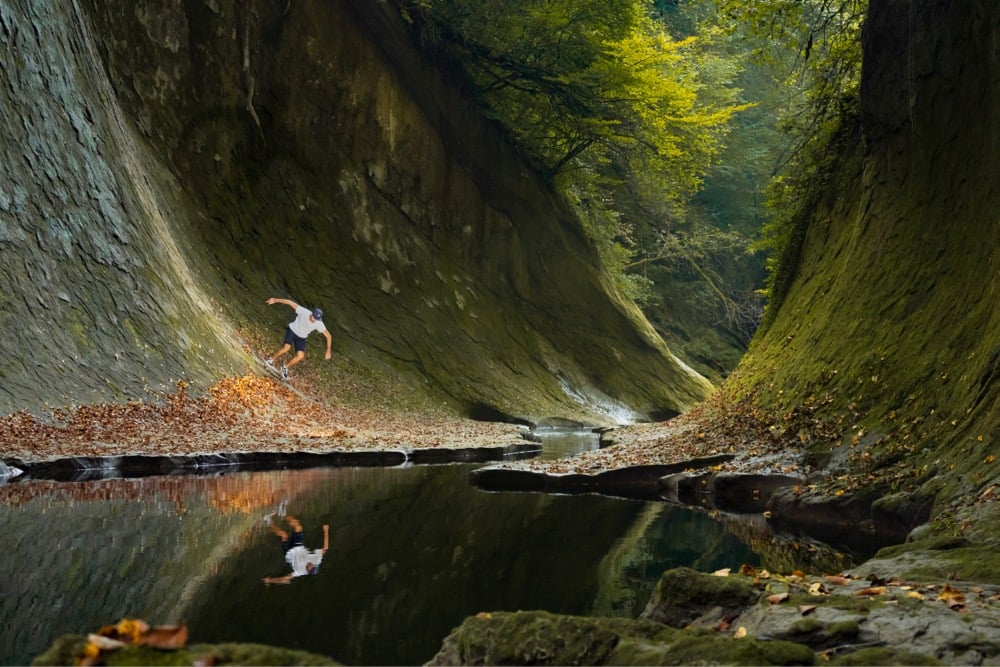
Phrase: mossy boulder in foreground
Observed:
(542, 638)
(67, 649)
(683, 595)
(754, 618)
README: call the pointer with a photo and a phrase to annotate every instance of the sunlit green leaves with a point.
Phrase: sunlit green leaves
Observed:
(596, 93)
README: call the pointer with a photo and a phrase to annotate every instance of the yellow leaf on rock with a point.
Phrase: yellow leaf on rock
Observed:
(740, 633)
(724, 572)
(874, 590)
(951, 596)
(818, 589)
(915, 594)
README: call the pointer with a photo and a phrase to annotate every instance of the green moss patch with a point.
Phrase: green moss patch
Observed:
(67, 649)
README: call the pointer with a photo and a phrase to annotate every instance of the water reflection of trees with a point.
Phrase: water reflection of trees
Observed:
(233, 492)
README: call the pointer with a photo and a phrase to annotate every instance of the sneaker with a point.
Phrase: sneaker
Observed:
(284, 372)
(270, 364)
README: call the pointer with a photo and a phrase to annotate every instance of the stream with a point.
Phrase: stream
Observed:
(413, 551)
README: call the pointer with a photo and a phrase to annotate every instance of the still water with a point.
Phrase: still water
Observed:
(413, 551)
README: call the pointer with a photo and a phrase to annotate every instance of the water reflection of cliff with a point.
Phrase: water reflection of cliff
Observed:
(78, 555)
(413, 551)
(409, 560)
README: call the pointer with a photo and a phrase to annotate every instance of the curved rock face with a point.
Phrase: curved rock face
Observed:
(176, 164)
(893, 311)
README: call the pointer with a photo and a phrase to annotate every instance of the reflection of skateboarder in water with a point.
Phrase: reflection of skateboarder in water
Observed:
(302, 560)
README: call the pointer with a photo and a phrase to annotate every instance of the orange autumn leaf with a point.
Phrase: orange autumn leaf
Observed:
(874, 590)
(166, 637)
(951, 596)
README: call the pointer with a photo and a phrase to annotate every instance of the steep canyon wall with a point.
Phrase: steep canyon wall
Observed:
(893, 311)
(175, 164)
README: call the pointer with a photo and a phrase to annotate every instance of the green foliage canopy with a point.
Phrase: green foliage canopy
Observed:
(817, 43)
(594, 91)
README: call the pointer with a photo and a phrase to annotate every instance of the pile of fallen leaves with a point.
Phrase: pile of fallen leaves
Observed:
(130, 631)
(247, 413)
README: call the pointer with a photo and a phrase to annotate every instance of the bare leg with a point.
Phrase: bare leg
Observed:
(299, 356)
(280, 353)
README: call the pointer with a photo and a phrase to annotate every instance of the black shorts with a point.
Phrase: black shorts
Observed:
(294, 541)
(292, 339)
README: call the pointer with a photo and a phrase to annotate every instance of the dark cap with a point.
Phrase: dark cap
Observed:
(318, 314)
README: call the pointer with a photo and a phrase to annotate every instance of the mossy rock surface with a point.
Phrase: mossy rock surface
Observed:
(66, 649)
(883, 656)
(707, 647)
(682, 595)
(542, 638)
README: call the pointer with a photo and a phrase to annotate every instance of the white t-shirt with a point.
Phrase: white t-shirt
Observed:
(302, 326)
(299, 556)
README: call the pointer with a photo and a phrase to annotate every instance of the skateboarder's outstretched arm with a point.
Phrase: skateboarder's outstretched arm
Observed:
(290, 304)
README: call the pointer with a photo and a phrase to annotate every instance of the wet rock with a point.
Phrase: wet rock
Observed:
(640, 482)
(748, 493)
(83, 468)
(897, 514)
(843, 521)
(739, 493)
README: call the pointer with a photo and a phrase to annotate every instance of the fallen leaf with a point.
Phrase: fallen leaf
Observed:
(166, 637)
(104, 643)
(777, 598)
(915, 594)
(837, 580)
(951, 596)
(806, 609)
(747, 570)
(91, 655)
(740, 633)
(874, 590)
(818, 589)
(724, 572)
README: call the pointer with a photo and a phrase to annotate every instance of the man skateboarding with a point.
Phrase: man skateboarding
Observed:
(306, 321)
